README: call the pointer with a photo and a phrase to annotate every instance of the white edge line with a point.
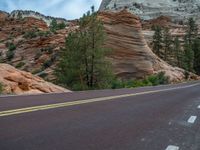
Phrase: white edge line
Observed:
(172, 147)
(192, 119)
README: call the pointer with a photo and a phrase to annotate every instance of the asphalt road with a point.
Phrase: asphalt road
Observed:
(151, 118)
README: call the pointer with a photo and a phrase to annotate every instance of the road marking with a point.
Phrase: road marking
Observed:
(192, 119)
(79, 102)
(172, 147)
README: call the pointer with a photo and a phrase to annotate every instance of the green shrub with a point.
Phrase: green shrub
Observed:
(10, 46)
(48, 49)
(44, 33)
(152, 80)
(158, 79)
(1, 88)
(36, 71)
(47, 64)
(30, 34)
(20, 64)
(10, 55)
(56, 26)
(117, 84)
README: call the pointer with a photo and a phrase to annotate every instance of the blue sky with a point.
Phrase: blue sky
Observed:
(69, 9)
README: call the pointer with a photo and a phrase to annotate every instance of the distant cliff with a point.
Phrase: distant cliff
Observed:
(27, 13)
(151, 9)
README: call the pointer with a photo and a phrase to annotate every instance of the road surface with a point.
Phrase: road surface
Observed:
(150, 118)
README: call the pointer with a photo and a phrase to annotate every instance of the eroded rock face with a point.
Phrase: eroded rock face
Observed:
(151, 9)
(20, 82)
(131, 56)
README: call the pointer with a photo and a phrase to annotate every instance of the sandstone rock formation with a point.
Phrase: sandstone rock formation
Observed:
(178, 10)
(20, 82)
(131, 57)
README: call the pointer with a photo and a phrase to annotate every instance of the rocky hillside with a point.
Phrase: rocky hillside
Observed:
(19, 82)
(29, 45)
(132, 57)
(178, 10)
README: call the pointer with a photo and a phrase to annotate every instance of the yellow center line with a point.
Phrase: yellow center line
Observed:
(79, 102)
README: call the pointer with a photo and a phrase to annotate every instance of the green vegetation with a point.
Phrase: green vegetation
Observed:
(11, 51)
(10, 46)
(152, 80)
(56, 26)
(20, 64)
(30, 34)
(185, 55)
(1, 88)
(35, 32)
(48, 49)
(47, 63)
(157, 40)
(82, 64)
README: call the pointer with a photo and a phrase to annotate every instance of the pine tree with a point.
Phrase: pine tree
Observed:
(83, 64)
(190, 37)
(178, 52)
(188, 57)
(53, 25)
(196, 48)
(167, 42)
(157, 40)
(192, 31)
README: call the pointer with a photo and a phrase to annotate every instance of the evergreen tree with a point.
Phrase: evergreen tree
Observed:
(190, 38)
(157, 40)
(83, 65)
(188, 58)
(53, 25)
(167, 42)
(196, 49)
(178, 52)
(192, 31)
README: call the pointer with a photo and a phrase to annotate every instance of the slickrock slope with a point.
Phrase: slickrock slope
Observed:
(20, 82)
(131, 57)
(178, 10)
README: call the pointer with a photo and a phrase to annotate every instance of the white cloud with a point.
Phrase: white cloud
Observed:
(69, 9)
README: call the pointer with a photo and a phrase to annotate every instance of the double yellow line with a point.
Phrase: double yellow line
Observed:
(79, 102)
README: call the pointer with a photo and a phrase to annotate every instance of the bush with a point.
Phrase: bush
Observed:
(10, 55)
(36, 71)
(56, 26)
(48, 49)
(30, 34)
(158, 79)
(10, 46)
(20, 64)
(1, 88)
(152, 80)
(44, 33)
(47, 63)
(117, 84)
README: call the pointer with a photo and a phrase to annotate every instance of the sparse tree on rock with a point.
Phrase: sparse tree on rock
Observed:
(83, 65)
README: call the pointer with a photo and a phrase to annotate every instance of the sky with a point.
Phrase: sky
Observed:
(69, 9)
